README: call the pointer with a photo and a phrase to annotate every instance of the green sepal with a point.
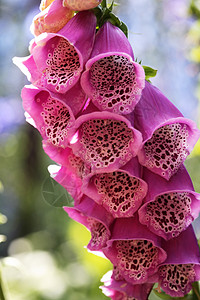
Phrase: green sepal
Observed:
(104, 14)
(104, 4)
(149, 72)
(56, 195)
(113, 19)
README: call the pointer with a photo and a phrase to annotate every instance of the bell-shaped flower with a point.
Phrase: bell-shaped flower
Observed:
(112, 79)
(95, 218)
(57, 59)
(71, 171)
(104, 140)
(182, 266)
(80, 4)
(45, 3)
(123, 290)
(51, 19)
(50, 116)
(134, 250)
(120, 192)
(170, 206)
(168, 136)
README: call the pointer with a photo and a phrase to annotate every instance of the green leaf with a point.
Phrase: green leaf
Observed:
(162, 295)
(149, 72)
(55, 195)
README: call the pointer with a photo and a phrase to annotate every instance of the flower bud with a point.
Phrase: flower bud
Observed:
(81, 5)
(51, 19)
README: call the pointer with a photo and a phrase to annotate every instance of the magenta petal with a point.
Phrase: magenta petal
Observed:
(28, 66)
(72, 171)
(112, 79)
(170, 206)
(182, 266)
(129, 242)
(111, 39)
(66, 158)
(122, 290)
(52, 117)
(120, 192)
(75, 98)
(68, 179)
(105, 140)
(168, 136)
(95, 218)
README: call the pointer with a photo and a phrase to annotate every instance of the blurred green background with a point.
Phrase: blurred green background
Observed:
(42, 251)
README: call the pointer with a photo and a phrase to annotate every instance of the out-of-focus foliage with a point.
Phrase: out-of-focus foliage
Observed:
(43, 257)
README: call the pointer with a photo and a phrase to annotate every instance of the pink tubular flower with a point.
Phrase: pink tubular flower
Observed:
(120, 192)
(71, 172)
(95, 218)
(134, 250)
(80, 4)
(74, 99)
(57, 59)
(112, 79)
(122, 290)
(168, 136)
(182, 266)
(170, 206)
(51, 19)
(104, 140)
(50, 116)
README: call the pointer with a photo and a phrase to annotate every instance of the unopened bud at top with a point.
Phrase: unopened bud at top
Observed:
(80, 4)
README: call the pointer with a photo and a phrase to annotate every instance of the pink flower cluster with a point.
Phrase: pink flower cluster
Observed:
(119, 144)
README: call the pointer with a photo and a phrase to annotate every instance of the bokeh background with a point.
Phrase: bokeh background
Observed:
(42, 254)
